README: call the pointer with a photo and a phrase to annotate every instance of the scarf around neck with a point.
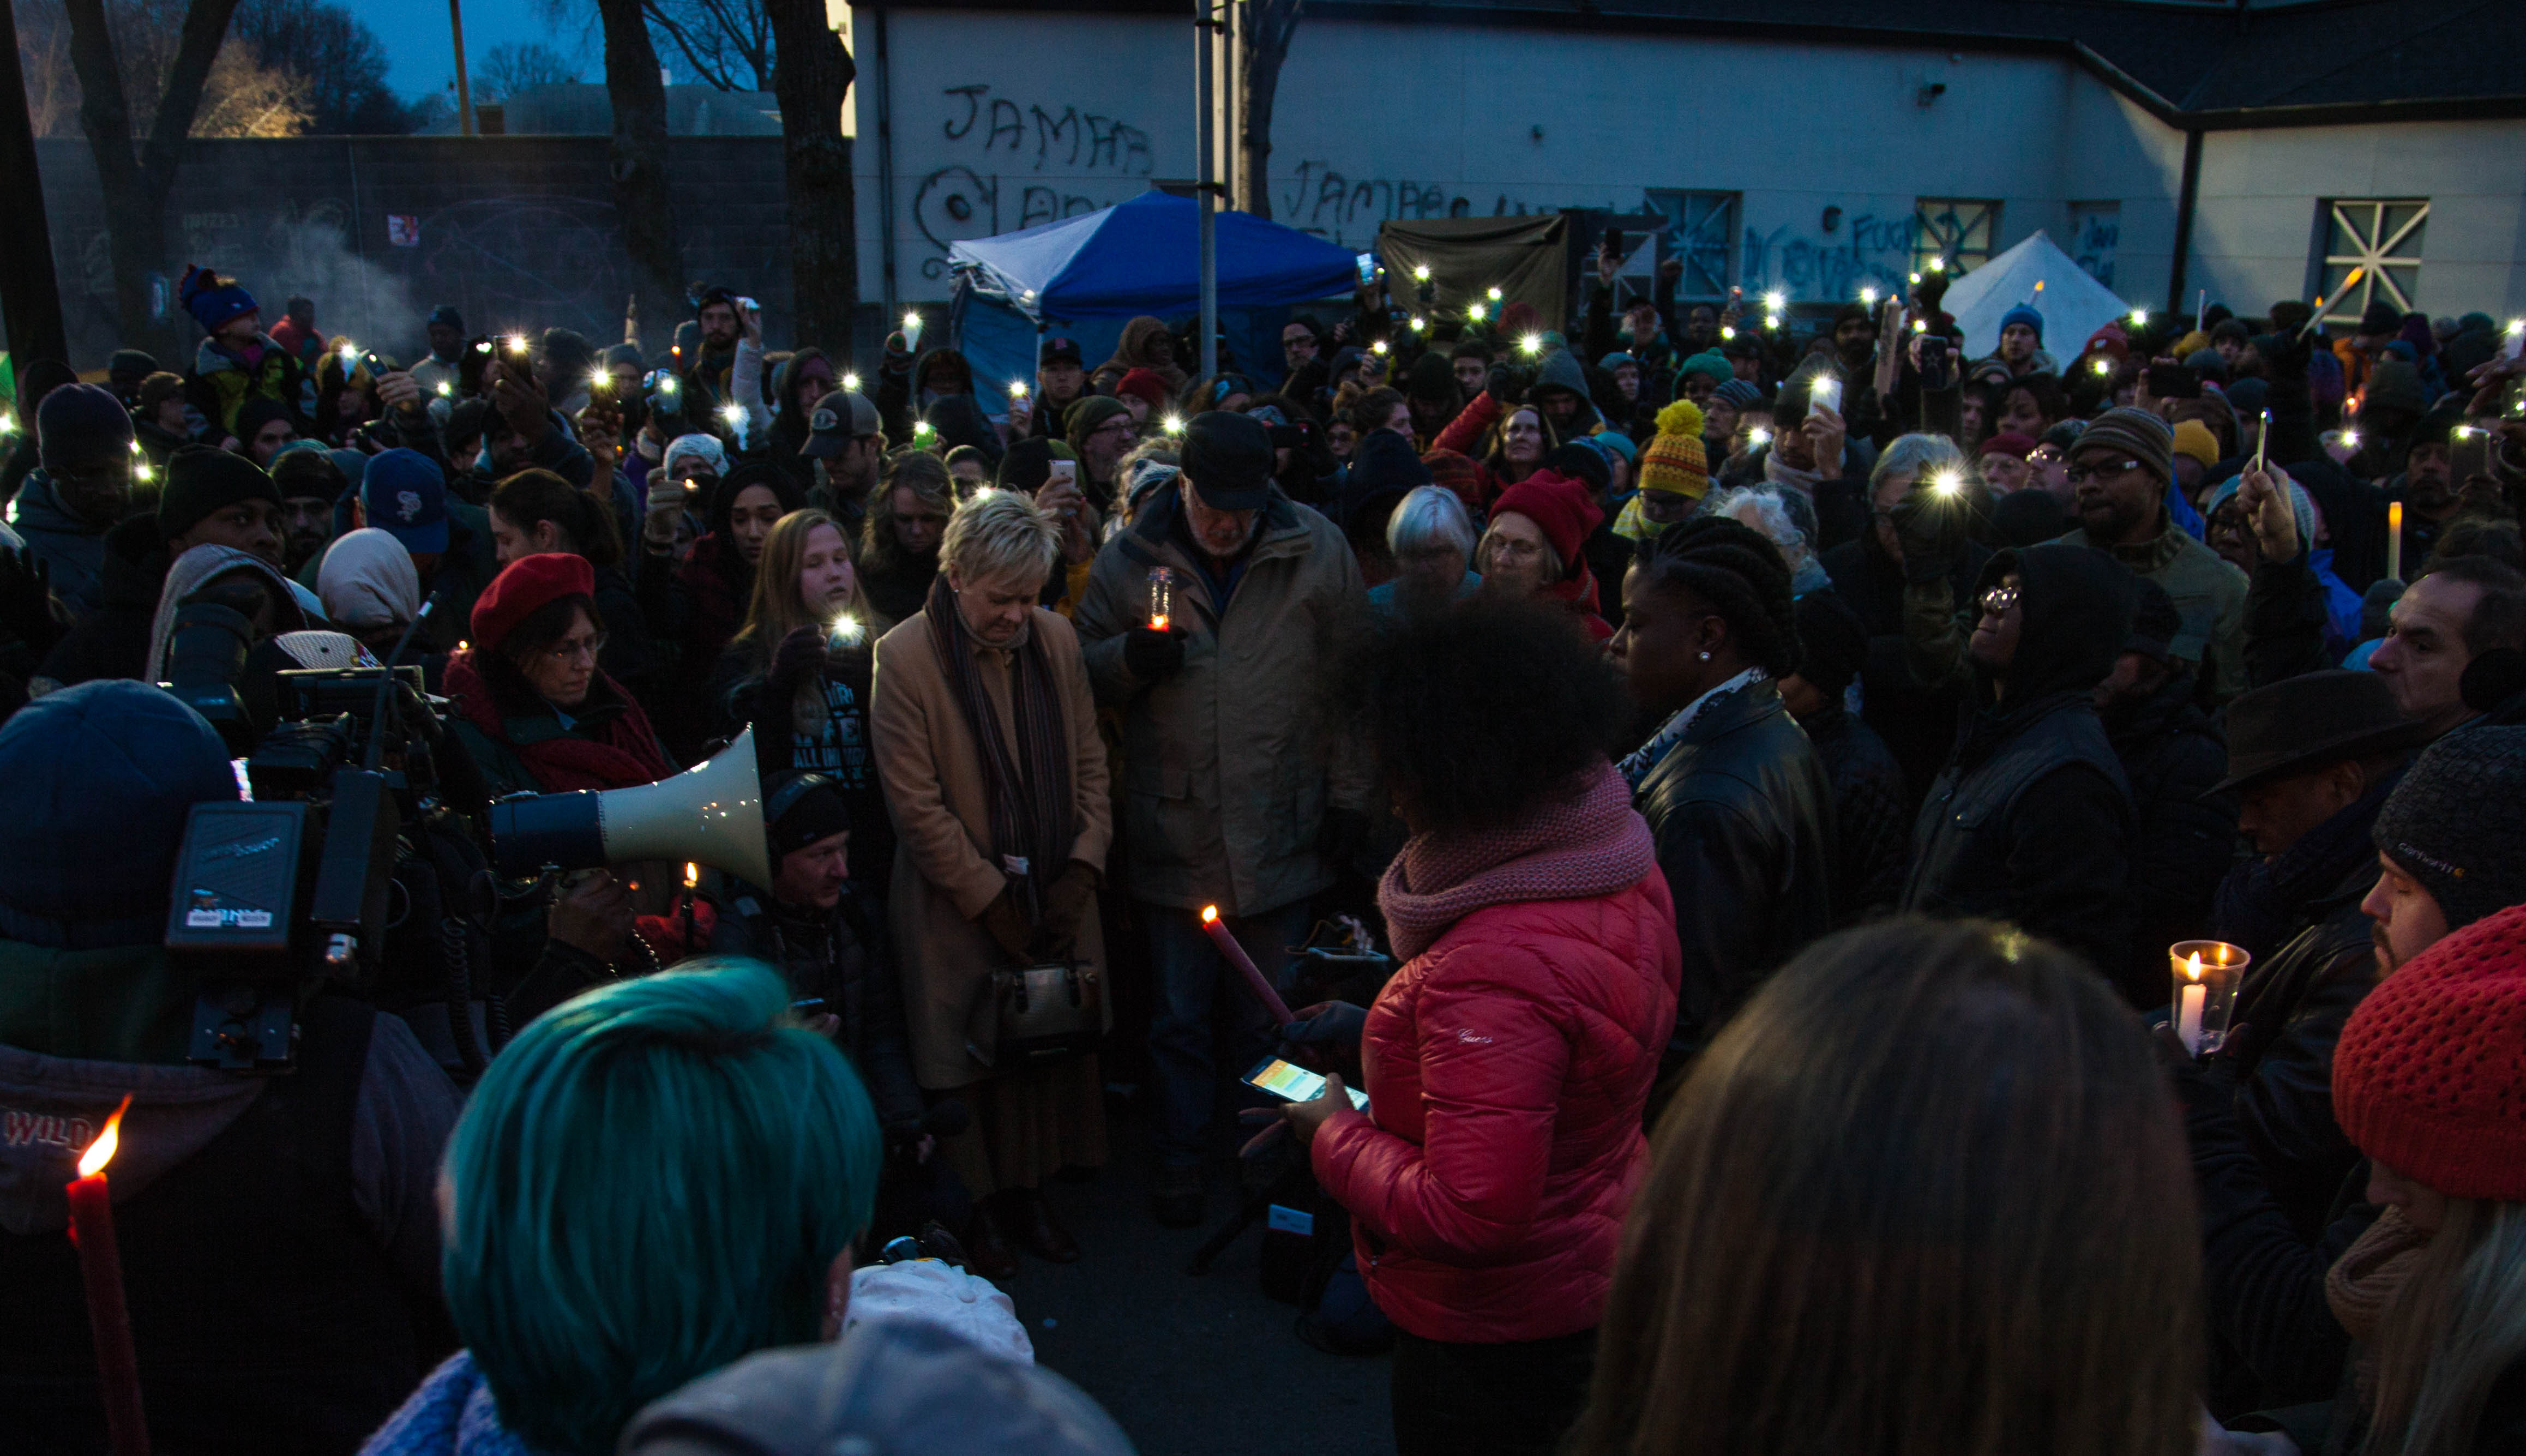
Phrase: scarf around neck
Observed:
(1032, 814)
(1586, 842)
(2365, 1279)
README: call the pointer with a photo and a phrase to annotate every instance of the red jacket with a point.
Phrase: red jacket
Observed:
(1506, 1067)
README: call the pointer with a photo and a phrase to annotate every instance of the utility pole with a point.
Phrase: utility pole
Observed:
(1206, 33)
(464, 91)
(30, 295)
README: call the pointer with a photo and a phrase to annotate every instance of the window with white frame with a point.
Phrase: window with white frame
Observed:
(1958, 230)
(2368, 249)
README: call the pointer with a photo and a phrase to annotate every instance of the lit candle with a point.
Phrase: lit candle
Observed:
(692, 881)
(1246, 967)
(2394, 540)
(2262, 436)
(117, 1370)
(1162, 598)
(2188, 1017)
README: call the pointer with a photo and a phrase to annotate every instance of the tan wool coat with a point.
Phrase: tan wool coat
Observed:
(945, 871)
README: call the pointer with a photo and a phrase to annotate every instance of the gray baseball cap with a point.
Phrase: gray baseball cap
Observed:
(839, 417)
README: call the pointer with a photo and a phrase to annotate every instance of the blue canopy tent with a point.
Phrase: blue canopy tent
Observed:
(1086, 277)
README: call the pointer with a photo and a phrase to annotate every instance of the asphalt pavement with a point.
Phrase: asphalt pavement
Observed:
(1191, 1365)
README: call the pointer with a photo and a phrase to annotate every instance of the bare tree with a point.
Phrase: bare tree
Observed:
(135, 185)
(246, 93)
(509, 68)
(729, 43)
(1267, 31)
(812, 80)
(638, 160)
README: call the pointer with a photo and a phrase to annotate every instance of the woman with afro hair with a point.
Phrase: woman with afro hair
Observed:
(1741, 806)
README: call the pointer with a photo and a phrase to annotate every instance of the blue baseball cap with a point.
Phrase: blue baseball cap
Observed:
(404, 493)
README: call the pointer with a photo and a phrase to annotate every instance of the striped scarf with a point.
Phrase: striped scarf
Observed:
(1032, 815)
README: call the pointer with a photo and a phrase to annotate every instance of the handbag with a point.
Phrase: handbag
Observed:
(1034, 1015)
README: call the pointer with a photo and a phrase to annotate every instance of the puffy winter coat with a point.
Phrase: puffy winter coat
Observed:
(1507, 1066)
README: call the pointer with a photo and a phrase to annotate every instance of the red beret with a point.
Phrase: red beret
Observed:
(2430, 1077)
(526, 584)
(2009, 442)
(1563, 508)
(1148, 383)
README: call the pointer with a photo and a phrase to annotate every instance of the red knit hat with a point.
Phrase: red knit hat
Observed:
(1148, 383)
(528, 584)
(2430, 1077)
(1468, 477)
(1564, 508)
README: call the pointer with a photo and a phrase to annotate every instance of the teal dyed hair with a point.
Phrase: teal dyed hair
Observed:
(650, 1183)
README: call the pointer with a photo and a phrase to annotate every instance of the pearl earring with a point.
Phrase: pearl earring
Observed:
(1705, 657)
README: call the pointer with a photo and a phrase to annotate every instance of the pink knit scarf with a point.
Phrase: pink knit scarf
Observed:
(1587, 843)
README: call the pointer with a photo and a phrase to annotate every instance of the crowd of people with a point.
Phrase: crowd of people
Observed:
(1724, 791)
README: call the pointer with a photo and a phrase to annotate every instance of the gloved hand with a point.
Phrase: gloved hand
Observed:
(27, 600)
(666, 505)
(1153, 654)
(1066, 903)
(800, 656)
(1931, 528)
(1006, 925)
(1329, 1024)
(1507, 384)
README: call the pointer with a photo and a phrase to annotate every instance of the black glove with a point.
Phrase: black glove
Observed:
(1330, 1023)
(27, 600)
(1507, 384)
(1153, 654)
(800, 656)
(1931, 528)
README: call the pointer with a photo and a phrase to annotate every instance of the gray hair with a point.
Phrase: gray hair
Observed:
(1430, 519)
(1772, 514)
(999, 533)
(1913, 456)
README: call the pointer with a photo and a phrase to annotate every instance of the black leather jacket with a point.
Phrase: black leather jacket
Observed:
(1744, 820)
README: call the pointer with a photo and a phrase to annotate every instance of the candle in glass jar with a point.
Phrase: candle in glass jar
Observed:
(1162, 592)
(2188, 1016)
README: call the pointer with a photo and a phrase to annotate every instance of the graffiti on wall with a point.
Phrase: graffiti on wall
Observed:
(1835, 263)
(1322, 200)
(1004, 147)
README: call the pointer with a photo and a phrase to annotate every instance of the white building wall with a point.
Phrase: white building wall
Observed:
(1002, 121)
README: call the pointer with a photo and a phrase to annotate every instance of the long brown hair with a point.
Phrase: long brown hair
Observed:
(923, 473)
(775, 609)
(1496, 441)
(1927, 1195)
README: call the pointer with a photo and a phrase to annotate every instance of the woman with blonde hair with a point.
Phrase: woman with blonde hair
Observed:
(799, 670)
(985, 731)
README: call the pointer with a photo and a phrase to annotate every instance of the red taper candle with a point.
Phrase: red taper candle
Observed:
(1246, 967)
(109, 1318)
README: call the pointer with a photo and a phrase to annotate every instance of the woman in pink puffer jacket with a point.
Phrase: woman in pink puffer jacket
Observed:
(1508, 1062)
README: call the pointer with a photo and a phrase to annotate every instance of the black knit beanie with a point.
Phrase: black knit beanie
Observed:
(2452, 823)
(201, 480)
(82, 425)
(806, 809)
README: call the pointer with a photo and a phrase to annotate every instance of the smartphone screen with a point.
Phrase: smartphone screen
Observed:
(1292, 1083)
(1827, 393)
(1367, 266)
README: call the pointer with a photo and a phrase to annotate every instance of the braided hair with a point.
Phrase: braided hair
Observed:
(1740, 574)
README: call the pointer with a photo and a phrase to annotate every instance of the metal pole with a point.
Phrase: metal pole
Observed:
(464, 91)
(30, 294)
(1205, 35)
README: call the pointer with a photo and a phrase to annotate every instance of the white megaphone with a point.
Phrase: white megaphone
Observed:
(711, 814)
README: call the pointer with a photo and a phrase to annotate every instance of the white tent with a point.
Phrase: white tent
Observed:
(2038, 274)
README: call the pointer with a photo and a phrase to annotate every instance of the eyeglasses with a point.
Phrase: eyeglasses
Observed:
(1511, 546)
(2078, 472)
(570, 651)
(1997, 601)
(1120, 425)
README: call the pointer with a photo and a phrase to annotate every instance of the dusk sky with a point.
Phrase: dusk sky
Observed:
(418, 57)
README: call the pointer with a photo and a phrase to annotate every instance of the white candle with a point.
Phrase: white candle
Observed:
(2187, 1020)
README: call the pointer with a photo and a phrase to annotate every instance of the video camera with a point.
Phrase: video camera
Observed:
(368, 857)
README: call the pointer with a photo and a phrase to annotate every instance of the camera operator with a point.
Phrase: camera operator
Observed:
(278, 1242)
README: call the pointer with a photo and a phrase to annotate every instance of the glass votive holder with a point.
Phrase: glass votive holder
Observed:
(2205, 976)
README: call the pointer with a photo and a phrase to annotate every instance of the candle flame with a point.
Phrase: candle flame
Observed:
(692, 874)
(2353, 281)
(2193, 965)
(1209, 913)
(101, 1152)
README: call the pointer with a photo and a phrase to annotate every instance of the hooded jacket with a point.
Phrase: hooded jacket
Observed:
(900, 400)
(2031, 821)
(194, 570)
(2208, 590)
(224, 379)
(65, 543)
